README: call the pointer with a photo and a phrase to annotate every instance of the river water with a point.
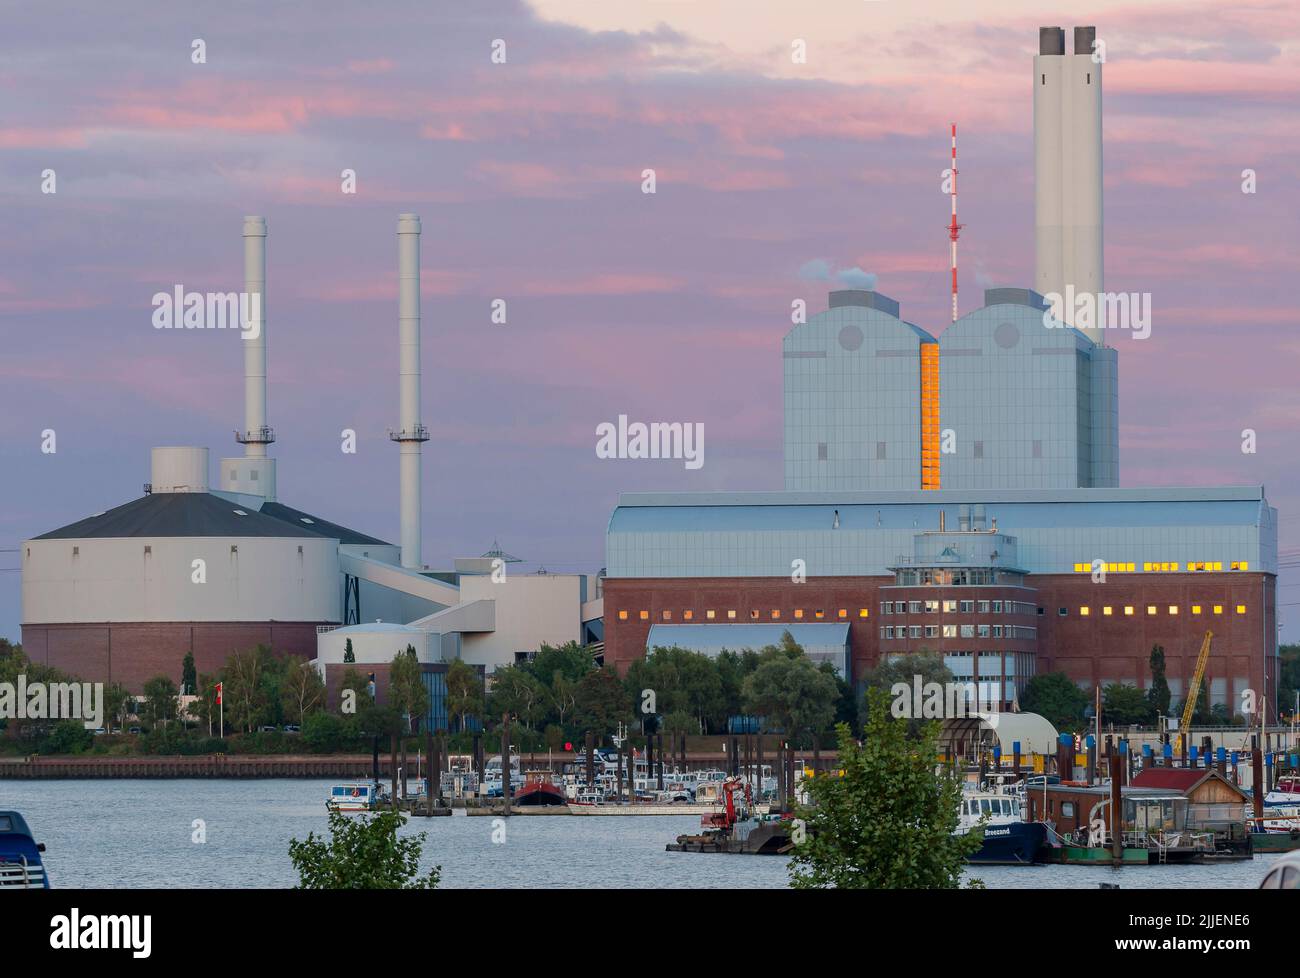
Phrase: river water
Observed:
(140, 833)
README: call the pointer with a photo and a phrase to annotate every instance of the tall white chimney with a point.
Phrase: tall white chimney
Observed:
(254, 474)
(412, 433)
(1067, 167)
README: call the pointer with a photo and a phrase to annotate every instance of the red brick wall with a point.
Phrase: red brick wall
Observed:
(1087, 649)
(133, 652)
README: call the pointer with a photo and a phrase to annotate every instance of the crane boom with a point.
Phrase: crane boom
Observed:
(1194, 690)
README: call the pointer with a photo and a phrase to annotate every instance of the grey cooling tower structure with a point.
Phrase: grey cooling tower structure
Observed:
(412, 434)
(1067, 166)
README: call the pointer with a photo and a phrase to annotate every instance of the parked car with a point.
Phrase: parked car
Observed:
(135, 730)
(1283, 874)
(268, 728)
(292, 728)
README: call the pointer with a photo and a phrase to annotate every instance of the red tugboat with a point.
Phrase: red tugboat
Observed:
(538, 789)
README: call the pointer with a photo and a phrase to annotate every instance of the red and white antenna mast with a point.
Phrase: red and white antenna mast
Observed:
(954, 228)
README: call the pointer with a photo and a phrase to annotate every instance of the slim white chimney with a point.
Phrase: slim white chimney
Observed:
(254, 474)
(1067, 166)
(412, 433)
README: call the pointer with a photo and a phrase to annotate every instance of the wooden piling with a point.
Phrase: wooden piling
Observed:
(590, 739)
(505, 760)
(1116, 808)
(659, 756)
(392, 766)
(1257, 789)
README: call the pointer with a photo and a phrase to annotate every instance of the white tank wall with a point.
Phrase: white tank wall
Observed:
(178, 469)
(530, 609)
(266, 579)
(250, 476)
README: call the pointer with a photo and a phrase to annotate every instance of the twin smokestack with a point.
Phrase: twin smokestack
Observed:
(255, 472)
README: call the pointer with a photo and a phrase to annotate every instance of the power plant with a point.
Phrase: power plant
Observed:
(954, 493)
(122, 595)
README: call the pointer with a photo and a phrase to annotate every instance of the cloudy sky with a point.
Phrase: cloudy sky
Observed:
(527, 174)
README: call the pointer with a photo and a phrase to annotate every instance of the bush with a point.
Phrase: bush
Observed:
(66, 737)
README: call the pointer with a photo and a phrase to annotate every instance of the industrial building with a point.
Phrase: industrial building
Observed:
(960, 493)
(123, 595)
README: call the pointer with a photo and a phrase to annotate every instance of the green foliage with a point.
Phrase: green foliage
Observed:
(324, 733)
(928, 665)
(515, 690)
(116, 700)
(601, 703)
(887, 821)
(244, 690)
(682, 681)
(363, 853)
(189, 678)
(348, 655)
(406, 690)
(1158, 694)
(464, 692)
(160, 704)
(791, 693)
(66, 737)
(302, 692)
(679, 722)
(570, 660)
(1056, 698)
(1124, 705)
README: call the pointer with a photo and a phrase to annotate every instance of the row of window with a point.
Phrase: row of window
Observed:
(1163, 566)
(1152, 609)
(958, 631)
(965, 607)
(755, 614)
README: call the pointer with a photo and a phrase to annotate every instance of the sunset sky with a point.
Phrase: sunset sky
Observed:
(775, 181)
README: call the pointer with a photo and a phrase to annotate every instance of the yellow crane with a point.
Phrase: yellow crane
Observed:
(1194, 690)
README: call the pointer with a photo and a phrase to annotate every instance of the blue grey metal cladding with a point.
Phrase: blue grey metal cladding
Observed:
(759, 534)
(852, 382)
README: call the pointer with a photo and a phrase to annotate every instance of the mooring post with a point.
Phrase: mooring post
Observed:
(1116, 810)
(590, 741)
(392, 766)
(681, 746)
(618, 776)
(431, 769)
(659, 756)
(1257, 789)
(1015, 759)
(374, 759)
(505, 760)
(405, 765)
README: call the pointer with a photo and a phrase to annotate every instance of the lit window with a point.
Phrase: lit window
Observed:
(1085, 611)
(688, 615)
(1235, 565)
(1106, 609)
(1218, 609)
(1245, 565)
(1130, 567)
(753, 614)
(798, 612)
(667, 616)
(819, 613)
(644, 615)
(1218, 565)
(1151, 609)
(1174, 566)
(1128, 609)
(862, 612)
(622, 616)
(1241, 609)
(844, 612)
(776, 613)
(1196, 609)
(1146, 566)
(710, 614)
(731, 614)
(949, 607)
(949, 631)
(1173, 609)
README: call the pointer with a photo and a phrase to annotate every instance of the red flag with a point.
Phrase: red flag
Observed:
(218, 694)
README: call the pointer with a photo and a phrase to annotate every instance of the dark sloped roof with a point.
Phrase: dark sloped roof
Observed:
(178, 514)
(321, 527)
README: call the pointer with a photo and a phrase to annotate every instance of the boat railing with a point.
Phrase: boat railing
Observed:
(21, 874)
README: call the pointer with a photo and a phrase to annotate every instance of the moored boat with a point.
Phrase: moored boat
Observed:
(20, 855)
(1008, 838)
(356, 796)
(538, 789)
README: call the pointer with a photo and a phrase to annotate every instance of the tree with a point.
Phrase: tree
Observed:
(189, 679)
(790, 692)
(1158, 695)
(116, 698)
(243, 692)
(929, 666)
(571, 660)
(680, 722)
(406, 690)
(303, 692)
(364, 853)
(160, 706)
(887, 821)
(464, 692)
(348, 655)
(600, 703)
(680, 679)
(356, 681)
(515, 690)
(1124, 705)
(1055, 697)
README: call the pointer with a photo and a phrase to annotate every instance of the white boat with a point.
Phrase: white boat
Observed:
(356, 796)
(1282, 806)
(1008, 838)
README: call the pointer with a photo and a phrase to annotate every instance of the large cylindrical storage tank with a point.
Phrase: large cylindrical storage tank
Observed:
(178, 469)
